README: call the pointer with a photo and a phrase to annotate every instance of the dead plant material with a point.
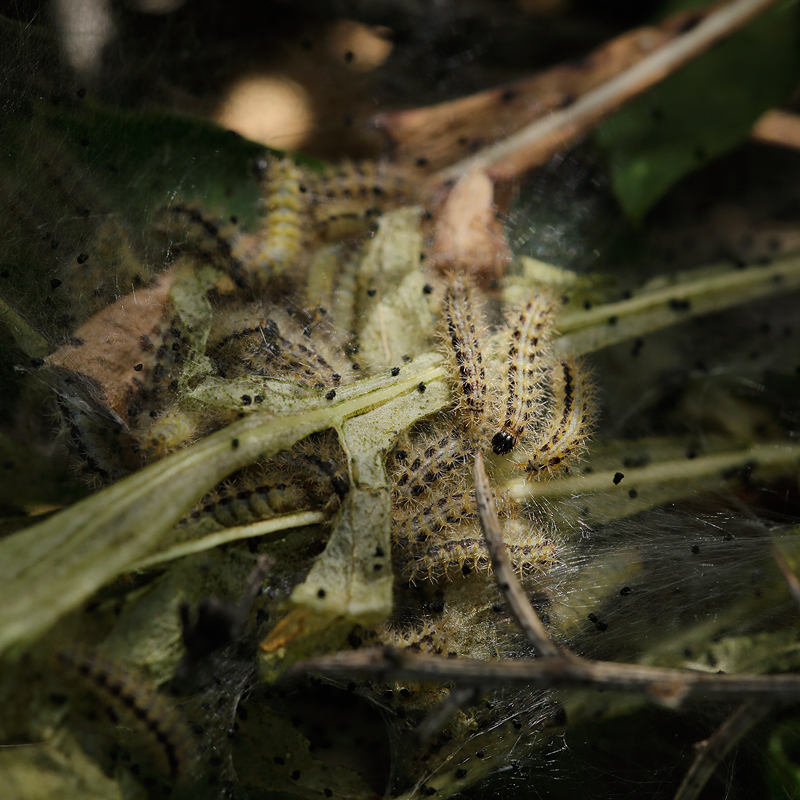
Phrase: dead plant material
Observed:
(778, 127)
(111, 348)
(468, 236)
(514, 128)
(434, 137)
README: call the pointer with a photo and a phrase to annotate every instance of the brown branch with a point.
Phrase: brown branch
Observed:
(431, 137)
(508, 583)
(663, 685)
(713, 750)
(537, 142)
(459, 697)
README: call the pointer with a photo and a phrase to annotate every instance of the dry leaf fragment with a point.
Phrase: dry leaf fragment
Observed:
(108, 348)
(433, 137)
(468, 236)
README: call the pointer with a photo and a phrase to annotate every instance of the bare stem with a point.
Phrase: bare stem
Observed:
(713, 750)
(538, 141)
(663, 685)
(508, 583)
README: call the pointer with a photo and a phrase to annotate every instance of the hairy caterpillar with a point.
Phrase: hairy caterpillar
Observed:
(204, 236)
(282, 233)
(526, 349)
(448, 511)
(343, 302)
(464, 551)
(417, 473)
(464, 333)
(270, 342)
(569, 422)
(130, 697)
(345, 198)
(171, 431)
(311, 475)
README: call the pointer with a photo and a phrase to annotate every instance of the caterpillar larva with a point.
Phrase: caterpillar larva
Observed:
(415, 474)
(526, 349)
(281, 234)
(343, 304)
(347, 197)
(281, 351)
(445, 514)
(310, 475)
(132, 698)
(170, 349)
(171, 431)
(465, 551)
(103, 448)
(270, 342)
(569, 422)
(250, 497)
(464, 331)
(204, 235)
(323, 268)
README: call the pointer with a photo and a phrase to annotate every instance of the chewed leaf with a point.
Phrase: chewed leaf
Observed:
(700, 112)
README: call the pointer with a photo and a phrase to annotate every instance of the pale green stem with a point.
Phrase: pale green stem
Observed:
(264, 527)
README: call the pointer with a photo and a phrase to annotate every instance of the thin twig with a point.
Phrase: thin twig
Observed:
(663, 685)
(538, 141)
(713, 750)
(459, 697)
(507, 581)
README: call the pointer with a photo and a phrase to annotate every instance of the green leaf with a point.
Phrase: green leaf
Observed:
(782, 761)
(701, 112)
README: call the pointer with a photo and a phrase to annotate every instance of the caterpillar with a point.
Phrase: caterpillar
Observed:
(267, 341)
(170, 349)
(569, 422)
(282, 232)
(343, 304)
(249, 498)
(170, 431)
(346, 198)
(203, 235)
(464, 333)
(416, 474)
(323, 268)
(311, 475)
(102, 446)
(526, 348)
(130, 696)
(447, 512)
(465, 552)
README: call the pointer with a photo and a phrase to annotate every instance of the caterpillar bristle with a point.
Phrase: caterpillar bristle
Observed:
(527, 340)
(134, 699)
(465, 335)
(169, 432)
(190, 228)
(310, 475)
(281, 236)
(569, 422)
(464, 553)
(417, 472)
(267, 341)
(346, 198)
